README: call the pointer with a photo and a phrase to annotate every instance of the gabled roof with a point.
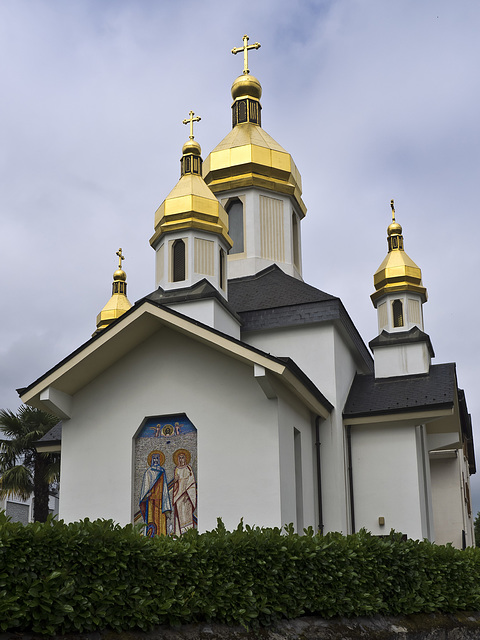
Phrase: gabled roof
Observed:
(136, 325)
(272, 299)
(271, 288)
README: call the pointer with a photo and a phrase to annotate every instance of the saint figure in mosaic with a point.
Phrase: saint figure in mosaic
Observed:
(184, 493)
(154, 497)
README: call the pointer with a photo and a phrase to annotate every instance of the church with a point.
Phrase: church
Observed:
(236, 390)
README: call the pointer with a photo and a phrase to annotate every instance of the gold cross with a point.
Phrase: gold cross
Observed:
(120, 258)
(191, 120)
(245, 49)
(392, 204)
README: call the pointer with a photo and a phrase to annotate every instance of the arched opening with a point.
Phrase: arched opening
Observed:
(235, 225)
(178, 260)
(397, 308)
(222, 271)
(295, 240)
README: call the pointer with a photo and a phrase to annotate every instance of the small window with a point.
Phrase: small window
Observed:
(295, 240)
(235, 225)
(222, 274)
(397, 308)
(178, 251)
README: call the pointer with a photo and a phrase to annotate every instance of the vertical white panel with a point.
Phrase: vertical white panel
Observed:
(272, 229)
(204, 256)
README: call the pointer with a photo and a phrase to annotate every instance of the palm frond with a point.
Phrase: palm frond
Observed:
(16, 481)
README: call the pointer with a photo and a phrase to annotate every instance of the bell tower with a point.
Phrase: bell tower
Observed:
(402, 347)
(258, 184)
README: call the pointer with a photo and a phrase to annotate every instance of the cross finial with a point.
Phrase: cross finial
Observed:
(191, 120)
(392, 204)
(245, 49)
(120, 257)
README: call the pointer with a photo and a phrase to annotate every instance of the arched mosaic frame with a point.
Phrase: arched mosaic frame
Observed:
(165, 475)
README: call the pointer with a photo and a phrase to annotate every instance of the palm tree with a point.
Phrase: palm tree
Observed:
(23, 470)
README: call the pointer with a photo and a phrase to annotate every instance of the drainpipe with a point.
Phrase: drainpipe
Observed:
(350, 476)
(319, 474)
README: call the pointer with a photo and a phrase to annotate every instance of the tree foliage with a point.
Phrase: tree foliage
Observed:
(476, 525)
(23, 469)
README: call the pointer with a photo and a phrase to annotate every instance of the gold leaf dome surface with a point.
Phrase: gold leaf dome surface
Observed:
(398, 272)
(249, 156)
(246, 85)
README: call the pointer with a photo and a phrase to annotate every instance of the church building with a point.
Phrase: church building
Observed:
(237, 390)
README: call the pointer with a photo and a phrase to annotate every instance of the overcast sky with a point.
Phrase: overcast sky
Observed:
(374, 100)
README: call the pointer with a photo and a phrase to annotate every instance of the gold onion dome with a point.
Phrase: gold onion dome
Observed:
(248, 156)
(394, 229)
(191, 204)
(398, 272)
(120, 275)
(248, 86)
(118, 303)
(191, 146)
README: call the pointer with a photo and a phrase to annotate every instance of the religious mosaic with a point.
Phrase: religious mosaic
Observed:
(165, 486)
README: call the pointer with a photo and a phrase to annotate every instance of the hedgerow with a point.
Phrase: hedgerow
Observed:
(58, 578)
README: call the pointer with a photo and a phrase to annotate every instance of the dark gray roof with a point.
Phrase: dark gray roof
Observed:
(272, 299)
(369, 396)
(271, 288)
(52, 436)
(402, 337)
(202, 290)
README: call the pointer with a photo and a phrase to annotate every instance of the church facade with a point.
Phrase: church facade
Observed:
(237, 390)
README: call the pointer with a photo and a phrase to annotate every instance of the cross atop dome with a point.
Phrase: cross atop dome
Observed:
(120, 257)
(245, 49)
(190, 120)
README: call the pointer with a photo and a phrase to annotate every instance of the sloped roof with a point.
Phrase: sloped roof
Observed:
(271, 288)
(137, 324)
(370, 396)
(272, 299)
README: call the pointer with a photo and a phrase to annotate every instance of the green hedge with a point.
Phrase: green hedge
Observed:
(86, 576)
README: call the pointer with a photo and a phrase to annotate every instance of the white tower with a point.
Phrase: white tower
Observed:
(258, 184)
(402, 347)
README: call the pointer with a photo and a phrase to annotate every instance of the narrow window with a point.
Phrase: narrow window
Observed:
(178, 251)
(295, 240)
(222, 269)
(235, 225)
(297, 446)
(397, 308)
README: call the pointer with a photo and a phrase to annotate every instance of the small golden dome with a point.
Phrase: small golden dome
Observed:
(246, 85)
(394, 229)
(191, 146)
(120, 275)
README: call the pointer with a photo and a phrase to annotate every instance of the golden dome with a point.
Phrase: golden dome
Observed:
(120, 275)
(249, 156)
(394, 229)
(118, 303)
(191, 205)
(246, 85)
(191, 146)
(398, 272)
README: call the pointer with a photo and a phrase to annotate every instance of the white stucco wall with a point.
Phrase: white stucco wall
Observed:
(293, 416)
(211, 313)
(322, 353)
(449, 472)
(385, 467)
(401, 360)
(251, 260)
(238, 434)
